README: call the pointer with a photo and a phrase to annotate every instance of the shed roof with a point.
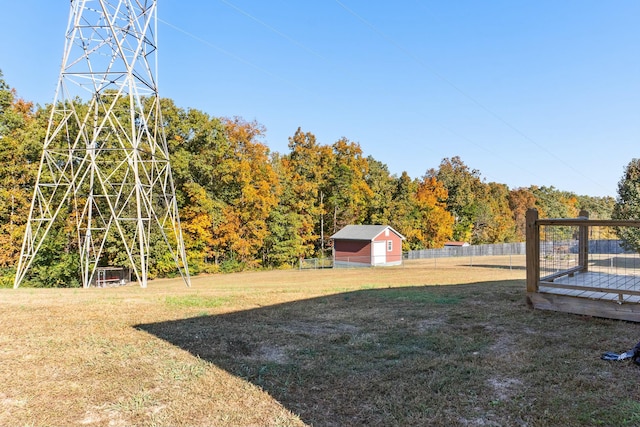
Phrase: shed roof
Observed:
(362, 232)
(456, 244)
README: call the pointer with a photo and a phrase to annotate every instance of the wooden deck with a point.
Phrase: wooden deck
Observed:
(590, 293)
(565, 273)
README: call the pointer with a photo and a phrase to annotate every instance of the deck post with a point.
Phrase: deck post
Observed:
(583, 243)
(533, 251)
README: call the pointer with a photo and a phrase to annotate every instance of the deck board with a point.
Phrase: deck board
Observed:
(599, 294)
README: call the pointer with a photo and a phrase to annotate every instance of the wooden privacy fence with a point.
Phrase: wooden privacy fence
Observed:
(581, 266)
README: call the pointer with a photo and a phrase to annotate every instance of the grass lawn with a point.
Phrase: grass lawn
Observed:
(430, 343)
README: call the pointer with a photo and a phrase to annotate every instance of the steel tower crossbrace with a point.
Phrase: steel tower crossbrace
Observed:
(105, 163)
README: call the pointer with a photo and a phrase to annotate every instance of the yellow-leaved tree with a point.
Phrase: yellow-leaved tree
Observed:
(434, 224)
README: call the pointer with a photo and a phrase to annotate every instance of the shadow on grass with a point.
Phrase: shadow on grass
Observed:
(426, 355)
(381, 357)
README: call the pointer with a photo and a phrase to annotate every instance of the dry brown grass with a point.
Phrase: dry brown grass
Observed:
(384, 346)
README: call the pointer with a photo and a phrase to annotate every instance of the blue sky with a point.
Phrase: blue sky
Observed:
(528, 92)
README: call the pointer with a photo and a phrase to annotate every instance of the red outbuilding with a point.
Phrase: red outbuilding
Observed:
(367, 245)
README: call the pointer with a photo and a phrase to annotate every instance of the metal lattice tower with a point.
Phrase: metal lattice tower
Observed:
(105, 163)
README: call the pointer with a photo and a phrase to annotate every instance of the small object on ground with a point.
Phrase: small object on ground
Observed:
(615, 356)
(634, 354)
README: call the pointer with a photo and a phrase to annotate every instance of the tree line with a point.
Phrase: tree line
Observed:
(244, 207)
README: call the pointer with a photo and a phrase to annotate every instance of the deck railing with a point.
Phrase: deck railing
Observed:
(581, 265)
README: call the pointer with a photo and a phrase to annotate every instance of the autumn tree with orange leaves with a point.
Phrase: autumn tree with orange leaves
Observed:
(20, 131)
(434, 225)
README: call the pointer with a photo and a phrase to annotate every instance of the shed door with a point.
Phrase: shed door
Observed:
(379, 253)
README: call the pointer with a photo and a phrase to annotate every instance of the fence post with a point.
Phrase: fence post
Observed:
(583, 243)
(533, 251)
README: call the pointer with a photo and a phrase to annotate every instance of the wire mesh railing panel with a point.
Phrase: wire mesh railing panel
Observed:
(591, 261)
(558, 249)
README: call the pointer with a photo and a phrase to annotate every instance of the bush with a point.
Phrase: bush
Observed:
(231, 266)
